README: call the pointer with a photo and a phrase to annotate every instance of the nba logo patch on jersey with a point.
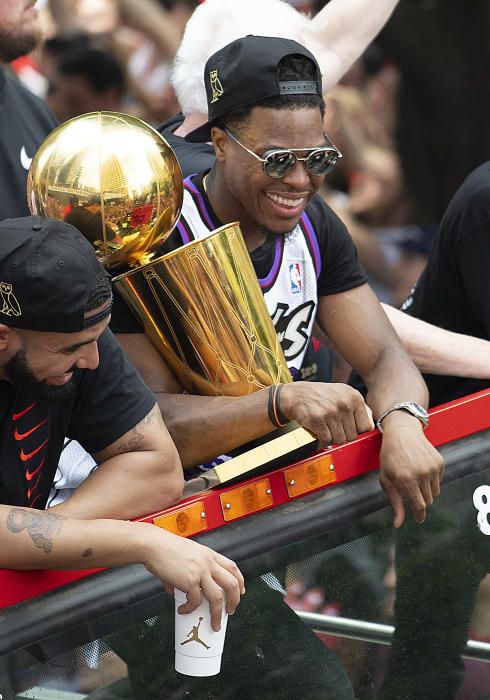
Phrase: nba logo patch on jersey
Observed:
(295, 277)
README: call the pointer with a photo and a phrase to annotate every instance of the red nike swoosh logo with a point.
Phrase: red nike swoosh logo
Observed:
(26, 457)
(21, 436)
(31, 492)
(31, 505)
(30, 475)
(16, 416)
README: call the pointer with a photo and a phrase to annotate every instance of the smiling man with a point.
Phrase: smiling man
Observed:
(63, 374)
(265, 121)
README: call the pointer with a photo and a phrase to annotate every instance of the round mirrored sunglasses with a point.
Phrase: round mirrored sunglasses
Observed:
(319, 161)
(278, 162)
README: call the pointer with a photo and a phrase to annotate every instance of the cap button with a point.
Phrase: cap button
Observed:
(36, 227)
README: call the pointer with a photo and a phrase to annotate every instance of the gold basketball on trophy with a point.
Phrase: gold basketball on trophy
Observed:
(115, 178)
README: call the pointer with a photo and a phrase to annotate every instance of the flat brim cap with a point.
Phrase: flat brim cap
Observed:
(245, 73)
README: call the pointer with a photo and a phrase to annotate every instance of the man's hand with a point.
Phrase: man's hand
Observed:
(335, 413)
(196, 570)
(410, 468)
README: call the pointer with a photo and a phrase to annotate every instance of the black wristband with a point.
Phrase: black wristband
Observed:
(282, 418)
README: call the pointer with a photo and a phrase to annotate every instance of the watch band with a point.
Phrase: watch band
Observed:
(414, 409)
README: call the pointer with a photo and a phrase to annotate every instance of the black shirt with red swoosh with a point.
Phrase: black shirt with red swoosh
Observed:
(106, 403)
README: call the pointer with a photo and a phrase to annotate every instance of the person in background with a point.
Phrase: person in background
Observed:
(86, 80)
(24, 118)
(450, 550)
(142, 35)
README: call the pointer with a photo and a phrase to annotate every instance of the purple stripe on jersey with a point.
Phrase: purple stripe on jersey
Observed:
(190, 186)
(183, 232)
(264, 283)
(310, 232)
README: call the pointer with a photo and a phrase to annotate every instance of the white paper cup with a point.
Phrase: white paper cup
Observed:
(198, 648)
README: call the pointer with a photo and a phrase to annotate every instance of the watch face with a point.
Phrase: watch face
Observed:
(417, 410)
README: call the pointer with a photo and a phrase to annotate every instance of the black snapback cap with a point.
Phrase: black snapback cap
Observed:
(245, 73)
(47, 272)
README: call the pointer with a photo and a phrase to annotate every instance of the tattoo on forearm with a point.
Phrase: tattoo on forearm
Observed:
(151, 417)
(41, 526)
(136, 436)
(87, 552)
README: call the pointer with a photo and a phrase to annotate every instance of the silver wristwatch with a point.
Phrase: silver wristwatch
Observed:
(414, 408)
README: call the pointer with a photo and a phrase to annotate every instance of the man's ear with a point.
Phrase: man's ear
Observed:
(219, 140)
(5, 337)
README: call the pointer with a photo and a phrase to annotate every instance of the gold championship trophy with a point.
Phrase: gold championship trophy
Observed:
(118, 181)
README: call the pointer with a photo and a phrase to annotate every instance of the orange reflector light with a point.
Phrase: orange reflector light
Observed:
(310, 476)
(246, 499)
(185, 521)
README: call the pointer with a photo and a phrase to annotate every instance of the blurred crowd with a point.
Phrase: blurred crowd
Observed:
(107, 55)
(117, 55)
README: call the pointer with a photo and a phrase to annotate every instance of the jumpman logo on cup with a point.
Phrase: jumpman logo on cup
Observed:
(194, 635)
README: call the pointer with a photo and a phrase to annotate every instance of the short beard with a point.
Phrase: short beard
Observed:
(14, 45)
(19, 373)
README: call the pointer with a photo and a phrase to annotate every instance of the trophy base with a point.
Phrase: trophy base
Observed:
(288, 444)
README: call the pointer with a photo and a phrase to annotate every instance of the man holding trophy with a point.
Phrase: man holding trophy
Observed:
(265, 123)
